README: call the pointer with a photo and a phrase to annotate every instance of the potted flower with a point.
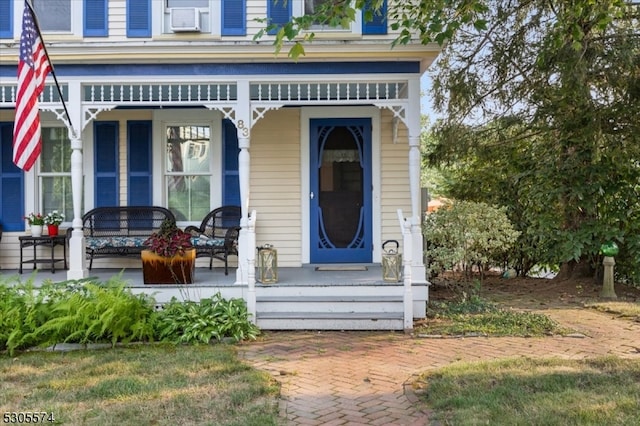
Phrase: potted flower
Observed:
(169, 257)
(36, 222)
(53, 221)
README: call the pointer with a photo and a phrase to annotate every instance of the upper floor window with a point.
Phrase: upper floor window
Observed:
(53, 15)
(308, 7)
(188, 3)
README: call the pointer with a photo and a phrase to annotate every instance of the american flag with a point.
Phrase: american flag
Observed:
(33, 67)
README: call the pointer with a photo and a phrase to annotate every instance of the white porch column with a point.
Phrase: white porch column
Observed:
(418, 272)
(77, 257)
(407, 248)
(246, 239)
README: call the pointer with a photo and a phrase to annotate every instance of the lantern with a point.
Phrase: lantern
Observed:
(391, 262)
(267, 264)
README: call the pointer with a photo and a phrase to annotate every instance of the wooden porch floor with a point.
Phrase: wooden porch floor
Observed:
(203, 277)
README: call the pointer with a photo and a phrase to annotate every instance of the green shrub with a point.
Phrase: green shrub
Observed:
(466, 234)
(210, 319)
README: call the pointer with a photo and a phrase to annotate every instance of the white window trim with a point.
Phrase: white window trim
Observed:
(76, 19)
(356, 26)
(160, 21)
(33, 193)
(167, 117)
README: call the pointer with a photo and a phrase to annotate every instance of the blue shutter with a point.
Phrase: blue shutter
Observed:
(6, 18)
(96, 21)
(234, 17)
(105, 153)
(139, 165)
(11, 183)
(230, 178)
(138, 18)
(278, 12)
(378, 25)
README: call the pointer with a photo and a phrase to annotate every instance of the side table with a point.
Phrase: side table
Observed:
(45, 241)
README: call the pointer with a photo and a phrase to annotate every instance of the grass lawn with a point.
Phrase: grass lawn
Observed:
(139, 385)
(603, 391)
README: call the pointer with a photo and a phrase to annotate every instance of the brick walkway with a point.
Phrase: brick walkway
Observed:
(358, 378)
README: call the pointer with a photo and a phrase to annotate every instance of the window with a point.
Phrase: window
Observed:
(307, 7)
(53, 15)
(188, 171)
(188, 3)
(54, 177)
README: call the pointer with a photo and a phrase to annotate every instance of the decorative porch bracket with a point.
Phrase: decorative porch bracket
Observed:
(91, 113)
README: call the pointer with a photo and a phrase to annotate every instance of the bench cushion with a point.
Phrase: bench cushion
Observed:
(207, 242)
(97, 243)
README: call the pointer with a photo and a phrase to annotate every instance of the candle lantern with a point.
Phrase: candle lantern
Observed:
(267, 264)
(391, 262)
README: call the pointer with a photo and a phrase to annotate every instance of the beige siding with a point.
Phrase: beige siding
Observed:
(394, 158)
(275, 183)
(117, 19)
(10, 255)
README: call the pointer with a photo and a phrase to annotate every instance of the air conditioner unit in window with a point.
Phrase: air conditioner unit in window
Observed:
(185, 19)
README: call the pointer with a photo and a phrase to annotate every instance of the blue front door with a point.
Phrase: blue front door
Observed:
(340, 184)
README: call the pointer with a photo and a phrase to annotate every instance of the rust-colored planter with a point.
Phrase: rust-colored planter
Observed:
(168, 270)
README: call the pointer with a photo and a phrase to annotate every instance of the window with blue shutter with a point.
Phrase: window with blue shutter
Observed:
(278, 12)
(139, 166)
(234, 17)
(11, 183)
(378, 25)
(105, 154)
(6, 18)
(230, 177)
(96, 18)
(138, 18)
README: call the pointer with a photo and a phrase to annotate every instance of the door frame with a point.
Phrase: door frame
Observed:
(308, 113)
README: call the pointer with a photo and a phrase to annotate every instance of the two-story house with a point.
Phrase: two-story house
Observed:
(321, 153)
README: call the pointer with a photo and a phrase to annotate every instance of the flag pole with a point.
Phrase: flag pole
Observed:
(53, 72)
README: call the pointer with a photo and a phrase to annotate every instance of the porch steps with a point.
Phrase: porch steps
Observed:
(327, 312)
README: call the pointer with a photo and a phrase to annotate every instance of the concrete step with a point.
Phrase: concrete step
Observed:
(329, 304)
(330, 321)
(327, 312)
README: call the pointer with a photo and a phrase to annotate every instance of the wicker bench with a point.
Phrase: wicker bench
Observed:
(120, 231)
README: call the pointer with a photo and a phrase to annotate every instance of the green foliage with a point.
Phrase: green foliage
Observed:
(85, 311)
(473, 314)
(430, 22)
(549, 101)
(466, 235)
(88, 313)
(210, 319)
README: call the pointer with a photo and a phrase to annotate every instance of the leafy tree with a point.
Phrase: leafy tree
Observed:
(542, 112)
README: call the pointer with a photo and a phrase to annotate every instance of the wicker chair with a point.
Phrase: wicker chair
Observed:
(217, 235)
